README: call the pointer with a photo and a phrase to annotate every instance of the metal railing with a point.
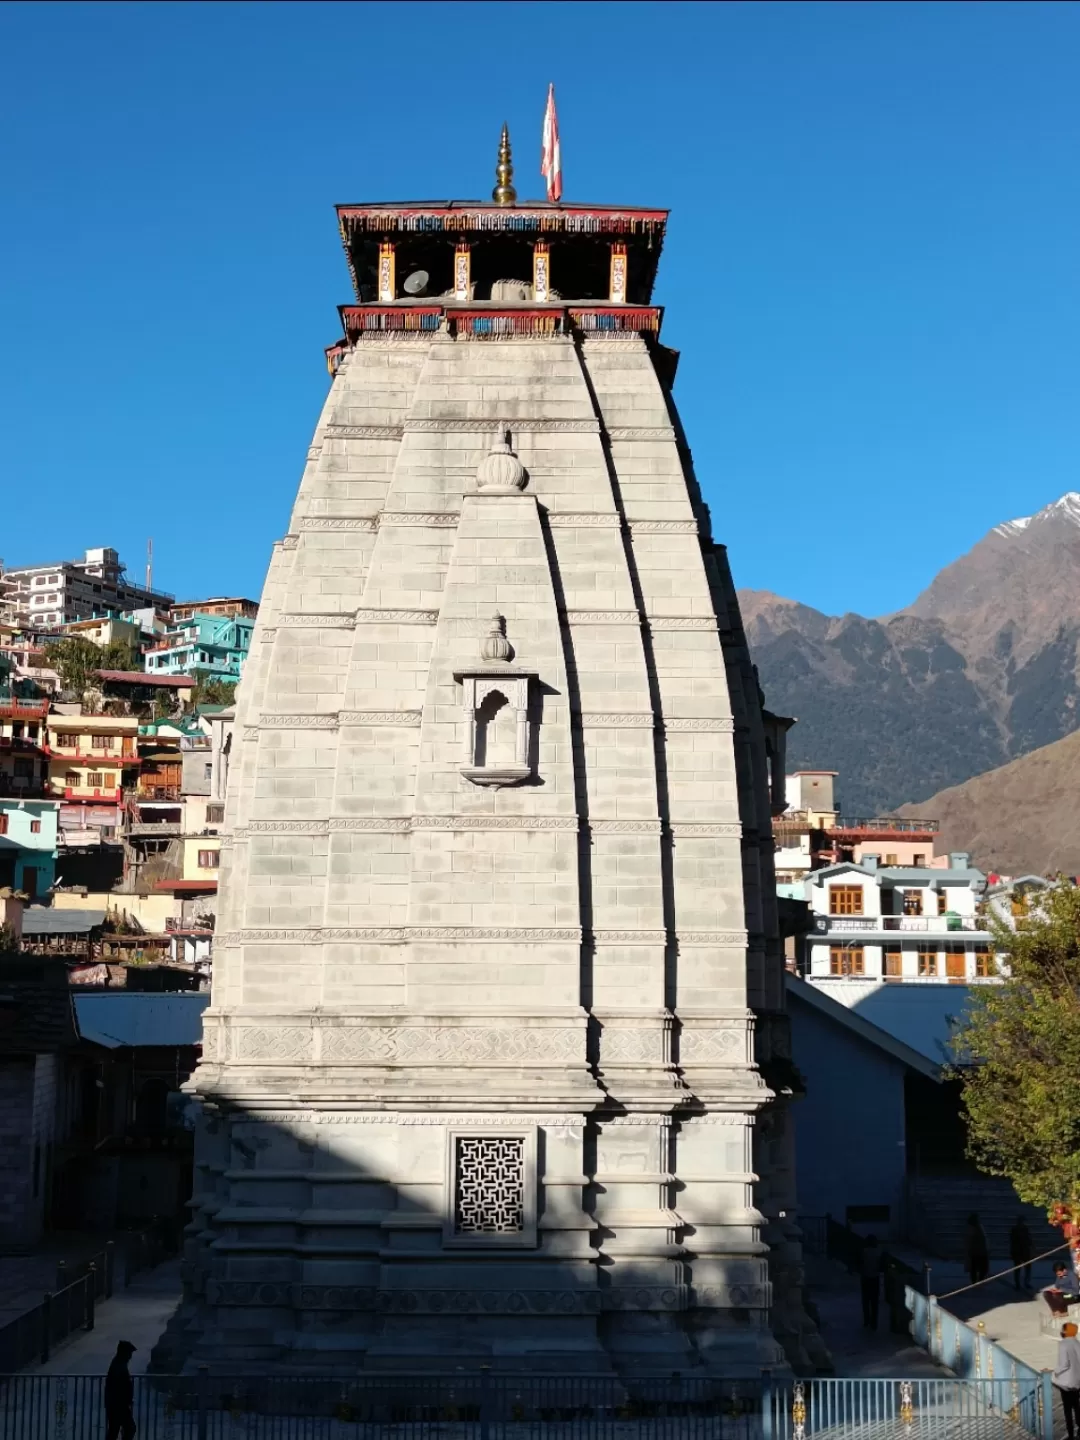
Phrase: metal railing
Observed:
(888, 824)
(481, 1405)
(847, 1246)
(938, 925)
(985, 1367)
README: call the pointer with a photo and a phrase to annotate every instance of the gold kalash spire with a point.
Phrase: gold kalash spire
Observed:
(504, 192)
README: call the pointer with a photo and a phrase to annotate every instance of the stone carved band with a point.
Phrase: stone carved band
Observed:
(728, 1045)
(723, 724)
(632, 1046)
(286, 1043)
(338, 522)
(632, 720)
(362, 432)
(640, 432)
(624, 827)
(289, 542)
(402, 824)
(366, 1298)
(400, 617)
(407, 718)
(603, 617)
(564, 520)
(398, 934)
(712, 937)
(685, 830)
(268, 633)
(297, 722)
(442, 518)
(500, 1118)
(310, 621)
(683, 622)
(630, 937)
(484, 427)
(434, 1045)
(663, 527)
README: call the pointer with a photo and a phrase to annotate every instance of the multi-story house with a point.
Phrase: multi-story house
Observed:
(812, 833)
(899, 922)
(214, 645)
(217, 607)
(66, 590)
(92, 760)
(28, 841)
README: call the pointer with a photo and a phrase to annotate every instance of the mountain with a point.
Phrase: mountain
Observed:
(1020, 819)
(981, 668)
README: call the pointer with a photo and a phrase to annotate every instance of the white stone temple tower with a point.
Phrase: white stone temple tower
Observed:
(490, 1070)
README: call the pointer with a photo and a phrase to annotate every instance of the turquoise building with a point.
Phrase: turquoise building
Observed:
(28, 836)
(215, 644)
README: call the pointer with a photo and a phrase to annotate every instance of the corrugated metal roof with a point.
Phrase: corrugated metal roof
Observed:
(923, 1015)
(44, 920)
(137, 1018)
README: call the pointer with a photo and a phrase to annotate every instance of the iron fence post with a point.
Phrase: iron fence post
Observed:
(766, 1405)
(485, 1402)
(1046, 1406)
(203, 1386)
(91, 1294)
(46, 1325)
(110, 1268)
(61, 1275)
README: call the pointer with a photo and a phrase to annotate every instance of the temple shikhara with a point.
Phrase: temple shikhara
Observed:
(496, 1067)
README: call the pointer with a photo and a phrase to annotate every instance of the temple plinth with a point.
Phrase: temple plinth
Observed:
(497, 982)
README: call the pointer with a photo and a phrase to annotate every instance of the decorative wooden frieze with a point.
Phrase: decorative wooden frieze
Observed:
(462, 272)
(541, 271)
(387, 283)
(618, 274)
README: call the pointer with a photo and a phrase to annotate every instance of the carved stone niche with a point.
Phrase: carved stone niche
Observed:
(495, 696)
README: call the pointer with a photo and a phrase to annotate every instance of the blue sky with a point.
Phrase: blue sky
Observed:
(871, 270)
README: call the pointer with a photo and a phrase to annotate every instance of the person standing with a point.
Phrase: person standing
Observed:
(1020, 1253)
(120, 1395)
(976, 1250)
(1067, 1378)
(870, 1281)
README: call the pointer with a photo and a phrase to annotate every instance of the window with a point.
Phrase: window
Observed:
(72, 779)
(846, 960)
(985, 965)
(845, 900)
(912, 902)
(208, 770)
(491, 1189)
(209, 859)
(103, 744)
(96, 780)
(918, 859)
(894, 964)
(892, 859)
(215, 814)
(35, 827)
(928, 963)
(23, 769)
(3, 824)
(942, 902)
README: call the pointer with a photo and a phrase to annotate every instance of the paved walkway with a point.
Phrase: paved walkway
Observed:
(25, 1278)
(138, 1314)
(857, 1352)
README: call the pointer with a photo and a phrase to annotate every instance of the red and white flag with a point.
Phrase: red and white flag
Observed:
(551, 155)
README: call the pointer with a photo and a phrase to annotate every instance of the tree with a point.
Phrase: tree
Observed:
(209, 690)
(1018, 1056)
(74, 659)
(120, 655)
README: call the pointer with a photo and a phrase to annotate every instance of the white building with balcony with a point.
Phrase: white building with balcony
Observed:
(898, 923)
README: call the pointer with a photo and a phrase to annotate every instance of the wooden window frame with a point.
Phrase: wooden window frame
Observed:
(886, 966)
(912, 903)
(845, 893)
(847, 960)
(928, 957)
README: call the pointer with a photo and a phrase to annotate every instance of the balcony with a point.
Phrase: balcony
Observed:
(154, 829)
(87, 792)
(155, 794)
(906, 924)
(882, 825)
(95, 757)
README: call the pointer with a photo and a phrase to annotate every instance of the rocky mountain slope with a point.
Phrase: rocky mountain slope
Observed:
(1020, 819)
(981, 668)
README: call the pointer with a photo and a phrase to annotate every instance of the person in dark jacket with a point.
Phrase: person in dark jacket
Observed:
(120, 1395)
(870, 1281)
(976, 1251)
(1020, 1253)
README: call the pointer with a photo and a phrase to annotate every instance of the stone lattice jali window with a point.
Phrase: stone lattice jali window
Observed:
(490, 1188)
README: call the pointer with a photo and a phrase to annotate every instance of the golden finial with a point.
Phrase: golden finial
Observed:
(504, 192)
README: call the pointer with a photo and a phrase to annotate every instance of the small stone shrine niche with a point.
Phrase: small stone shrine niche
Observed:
(495, 697)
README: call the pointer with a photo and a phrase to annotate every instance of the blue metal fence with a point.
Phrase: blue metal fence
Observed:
(492, 1406)
(981, 1364)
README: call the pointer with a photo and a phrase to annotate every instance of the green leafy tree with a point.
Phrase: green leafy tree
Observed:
(209, 690)
(1019, 1057)
(74, 659)
(120, 655)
